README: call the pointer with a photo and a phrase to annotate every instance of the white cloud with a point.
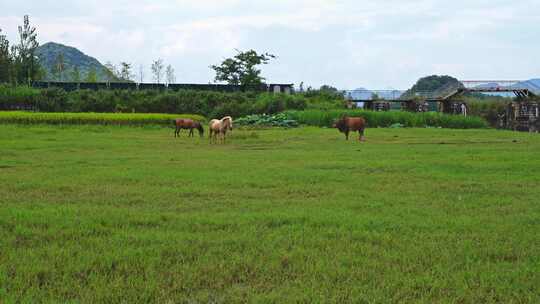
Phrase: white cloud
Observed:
(345, 43)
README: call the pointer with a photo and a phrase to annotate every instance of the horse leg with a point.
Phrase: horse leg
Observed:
(347, 135)
(190, 133)
(361, 135)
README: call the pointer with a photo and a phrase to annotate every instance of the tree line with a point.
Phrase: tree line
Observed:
(19, 64)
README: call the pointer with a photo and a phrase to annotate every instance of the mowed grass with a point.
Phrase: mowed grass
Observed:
(117, 214)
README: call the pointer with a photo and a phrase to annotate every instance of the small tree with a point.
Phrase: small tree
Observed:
(125, 72)
(157, 70)
(327, 89)
(242, 68)
(169, 72)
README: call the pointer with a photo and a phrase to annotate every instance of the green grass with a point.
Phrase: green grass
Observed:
(132, 119)
(108, 214)
(386, 119)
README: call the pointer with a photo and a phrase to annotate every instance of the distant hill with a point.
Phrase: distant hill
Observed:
(532, 84)
(49, 52)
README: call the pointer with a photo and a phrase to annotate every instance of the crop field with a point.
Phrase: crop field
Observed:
(117, 214)
(131, 119)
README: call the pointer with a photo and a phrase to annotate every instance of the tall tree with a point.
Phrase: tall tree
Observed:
(125, 72)
(242, 69)
(27, 61)
(15, 66)
(157, 70)
(5, 59)
(169, 72)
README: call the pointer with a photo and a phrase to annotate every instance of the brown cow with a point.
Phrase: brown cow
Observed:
(347, 124)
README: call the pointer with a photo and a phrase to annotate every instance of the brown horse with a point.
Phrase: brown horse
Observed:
(189, 124)
(347, 124)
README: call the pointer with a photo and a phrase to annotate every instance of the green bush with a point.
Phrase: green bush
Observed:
(387, 119)
(51, 100)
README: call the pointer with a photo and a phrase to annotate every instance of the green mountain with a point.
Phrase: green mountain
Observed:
(72, 60)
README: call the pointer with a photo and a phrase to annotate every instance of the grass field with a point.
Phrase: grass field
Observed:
(98, 214)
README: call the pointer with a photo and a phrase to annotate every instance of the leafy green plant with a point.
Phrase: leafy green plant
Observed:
(278, 120)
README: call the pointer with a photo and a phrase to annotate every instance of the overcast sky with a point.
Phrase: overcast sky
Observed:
(347, 44)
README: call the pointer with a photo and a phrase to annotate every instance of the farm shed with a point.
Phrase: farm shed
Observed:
(378, 105)
(280, 88)
(455, 107)
(522, 116)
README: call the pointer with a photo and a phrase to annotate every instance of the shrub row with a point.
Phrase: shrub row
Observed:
(207, 103)
(286, 119)
(387, 119)
(132, 119)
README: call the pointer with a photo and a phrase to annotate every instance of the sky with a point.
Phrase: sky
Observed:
(346, 44)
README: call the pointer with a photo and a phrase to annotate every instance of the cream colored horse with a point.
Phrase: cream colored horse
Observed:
(219, 128)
